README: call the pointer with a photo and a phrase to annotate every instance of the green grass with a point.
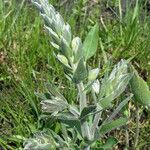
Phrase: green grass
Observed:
(29, 62)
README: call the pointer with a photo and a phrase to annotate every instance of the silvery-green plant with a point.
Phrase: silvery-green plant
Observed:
(80, 123)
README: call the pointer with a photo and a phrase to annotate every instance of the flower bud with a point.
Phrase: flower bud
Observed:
(93, 74)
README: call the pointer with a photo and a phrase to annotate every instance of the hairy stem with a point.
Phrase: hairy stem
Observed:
(96, 118)
(87, 148)
(126, 129)
(95, 123)
(83, 104)
(82, 95)
(94, 96)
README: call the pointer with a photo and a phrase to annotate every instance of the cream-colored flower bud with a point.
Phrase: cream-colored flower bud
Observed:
(93, 74)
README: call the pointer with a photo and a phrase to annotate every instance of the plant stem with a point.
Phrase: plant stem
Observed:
(137, 127)
(82, 95)
(126, 128)
(95, 123)
(87, 148)
(83, 104)
(96, 118)
(94, 96)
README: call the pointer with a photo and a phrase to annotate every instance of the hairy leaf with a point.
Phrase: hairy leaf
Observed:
(40, 141)
(70, 120)
(119, 107)
(107, 127)
(77, 49)
(140, 89)
(115, 84)
(63, 60)
(65, 48)
(91, 42)
(53, 105)
(80, 72)
(54, 91)
(86, 111)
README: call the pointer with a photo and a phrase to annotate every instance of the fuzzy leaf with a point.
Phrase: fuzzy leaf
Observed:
(86, 111)
(53, 35)
(106, 102)
(80, 72)
(115, 84)
(59, 21)
(140, 89)
(119, 107)
(52, 89)
(70, 120)
(63, 60)
(77, 49)
(107, 127)
(65, 49)
(40, 141)
(67, 33)
(53, 105)
(91, 42)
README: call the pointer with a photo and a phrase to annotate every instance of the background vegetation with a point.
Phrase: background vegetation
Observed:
(26, 60)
